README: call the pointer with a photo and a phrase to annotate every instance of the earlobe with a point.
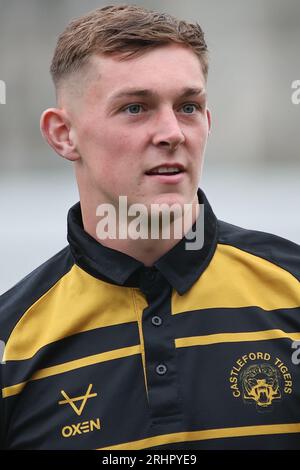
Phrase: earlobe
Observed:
(55, 128)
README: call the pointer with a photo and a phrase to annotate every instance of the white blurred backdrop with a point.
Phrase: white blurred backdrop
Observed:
(251, 174)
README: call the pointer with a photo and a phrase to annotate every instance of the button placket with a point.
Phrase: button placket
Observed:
(160, 353)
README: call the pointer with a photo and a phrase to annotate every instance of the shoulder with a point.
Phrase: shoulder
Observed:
(15, 302)
(277, 250)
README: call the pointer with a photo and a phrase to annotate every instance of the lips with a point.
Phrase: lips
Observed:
(166, 169)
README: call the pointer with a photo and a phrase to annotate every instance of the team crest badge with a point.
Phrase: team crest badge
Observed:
(260, 380)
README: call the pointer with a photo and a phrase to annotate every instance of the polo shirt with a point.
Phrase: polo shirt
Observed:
(198, 351)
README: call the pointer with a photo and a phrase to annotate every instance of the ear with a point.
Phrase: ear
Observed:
(57, 131)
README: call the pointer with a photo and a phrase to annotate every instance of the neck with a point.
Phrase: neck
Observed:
(148, 249)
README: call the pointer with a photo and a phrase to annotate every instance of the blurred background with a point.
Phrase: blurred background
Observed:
(252, 167)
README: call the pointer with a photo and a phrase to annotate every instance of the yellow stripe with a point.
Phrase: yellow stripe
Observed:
(125, 352)
(68, 366)
(78, 302)
(207, 434)
(234, 338)
(236, 279)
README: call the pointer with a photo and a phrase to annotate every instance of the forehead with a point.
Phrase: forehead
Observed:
(163, 69)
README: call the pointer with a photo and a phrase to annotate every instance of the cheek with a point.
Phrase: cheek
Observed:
(99, 143)
(198, 141)
(109, 139)
(110, 156)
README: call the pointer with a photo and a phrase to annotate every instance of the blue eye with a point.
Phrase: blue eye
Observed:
(133, 108)
(189, 108)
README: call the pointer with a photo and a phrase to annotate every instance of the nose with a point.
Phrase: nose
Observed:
(167, 132)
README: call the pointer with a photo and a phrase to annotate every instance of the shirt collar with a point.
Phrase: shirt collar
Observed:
(181, 267)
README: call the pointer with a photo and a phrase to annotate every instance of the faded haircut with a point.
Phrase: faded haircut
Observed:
(123, 30)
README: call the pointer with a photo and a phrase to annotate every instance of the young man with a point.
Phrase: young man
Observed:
(145, 342)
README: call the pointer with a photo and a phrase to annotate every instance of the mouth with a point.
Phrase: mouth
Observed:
(167, 173)
(263, 396)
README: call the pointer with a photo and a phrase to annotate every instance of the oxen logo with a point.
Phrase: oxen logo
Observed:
(83, 427)
(83, 399)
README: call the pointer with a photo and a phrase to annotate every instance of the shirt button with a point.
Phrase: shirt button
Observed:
(161, 369)
(156, 321)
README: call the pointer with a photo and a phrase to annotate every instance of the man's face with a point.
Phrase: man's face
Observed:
(129, 120)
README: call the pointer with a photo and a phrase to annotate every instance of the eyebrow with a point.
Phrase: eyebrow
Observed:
(188, 91)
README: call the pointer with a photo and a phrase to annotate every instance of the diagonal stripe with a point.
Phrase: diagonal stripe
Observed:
(222, 433)
(70, 401)
(84, 400)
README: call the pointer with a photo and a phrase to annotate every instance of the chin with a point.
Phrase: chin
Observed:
(171, 198)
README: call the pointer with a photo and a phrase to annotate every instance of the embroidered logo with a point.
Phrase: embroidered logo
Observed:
(79, 428)
(260, 380)
(83, 399)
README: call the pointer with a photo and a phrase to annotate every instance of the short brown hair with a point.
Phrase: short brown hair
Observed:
(127, 30)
